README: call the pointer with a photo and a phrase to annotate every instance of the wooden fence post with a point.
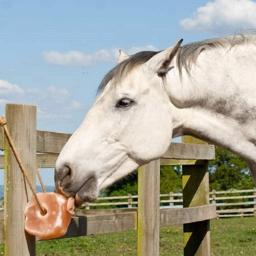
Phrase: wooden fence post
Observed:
(195, 182)
(87, 206)
(148, 220)
(214, 201)
(129, 200)
(171, 198)
(21, 121)
(213, 197)
(254, 200)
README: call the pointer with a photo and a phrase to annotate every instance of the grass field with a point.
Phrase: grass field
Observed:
(230, 237)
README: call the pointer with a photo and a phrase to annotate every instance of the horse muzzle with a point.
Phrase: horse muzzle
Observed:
(83, 190)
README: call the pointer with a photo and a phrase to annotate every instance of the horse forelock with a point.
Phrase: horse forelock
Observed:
(121, 70)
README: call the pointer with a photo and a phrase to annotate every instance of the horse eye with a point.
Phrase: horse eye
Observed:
(124, 103)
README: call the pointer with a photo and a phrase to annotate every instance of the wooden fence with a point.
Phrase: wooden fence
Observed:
(39, 149)
(229, 203)
(234, 203)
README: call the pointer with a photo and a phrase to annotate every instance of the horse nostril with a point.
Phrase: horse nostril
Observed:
(62, 177)
(63, 173)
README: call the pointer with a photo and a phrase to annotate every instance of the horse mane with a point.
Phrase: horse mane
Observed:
(188, 54)
(123, 68)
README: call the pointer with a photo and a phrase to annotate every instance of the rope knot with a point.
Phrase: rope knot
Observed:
(2, 121)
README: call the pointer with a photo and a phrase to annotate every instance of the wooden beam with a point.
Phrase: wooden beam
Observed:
(107, 221)
(121, 221)
(47, 142)
(190, 152)
(172, 162)
(48, 160)
(101, 224)
(195, 182)
(148, 209)
(53, 142)
(21, 121)
(1, 226)
(43, 160)
(1, 138)
(178, 216)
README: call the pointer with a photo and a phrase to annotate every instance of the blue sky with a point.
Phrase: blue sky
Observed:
(53, 54)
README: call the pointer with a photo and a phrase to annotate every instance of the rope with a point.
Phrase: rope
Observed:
(20, 164)
(40, 181)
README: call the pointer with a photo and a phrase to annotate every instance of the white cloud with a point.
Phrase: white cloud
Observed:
(54, 103)
(221, 15)
(59, 92)
(78, 58)
(135, 49)
(9, 88)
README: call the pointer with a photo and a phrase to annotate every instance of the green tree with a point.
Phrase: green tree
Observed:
(170, 181)
(229, 171)
(127, 185)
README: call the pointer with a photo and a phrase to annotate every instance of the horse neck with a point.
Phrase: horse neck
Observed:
(205, 107)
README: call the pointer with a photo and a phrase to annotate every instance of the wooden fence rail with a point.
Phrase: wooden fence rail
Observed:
(234, 203)
(40, 148)
(229, 203)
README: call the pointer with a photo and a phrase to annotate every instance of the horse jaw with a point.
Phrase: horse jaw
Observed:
(124, 169)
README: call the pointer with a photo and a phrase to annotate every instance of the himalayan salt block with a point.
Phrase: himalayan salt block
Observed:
(55, 221)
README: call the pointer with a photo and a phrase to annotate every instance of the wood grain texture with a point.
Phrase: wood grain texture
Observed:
(177, 216)
(107, 221)
(22, 126)
(166, 161)
(195, 182)
(47, 142)
(148, 209)
(48, 160)
(53, 142)
(42, 160)
(190, 152)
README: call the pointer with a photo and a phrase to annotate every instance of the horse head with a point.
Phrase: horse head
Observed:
(130, 124)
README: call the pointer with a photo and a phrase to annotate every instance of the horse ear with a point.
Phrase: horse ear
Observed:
(160, 63)
(122, 56)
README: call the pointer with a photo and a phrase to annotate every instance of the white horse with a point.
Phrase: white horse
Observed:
(206, 89)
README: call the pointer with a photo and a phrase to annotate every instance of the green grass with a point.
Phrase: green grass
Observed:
(236, 236)
(230, 237)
